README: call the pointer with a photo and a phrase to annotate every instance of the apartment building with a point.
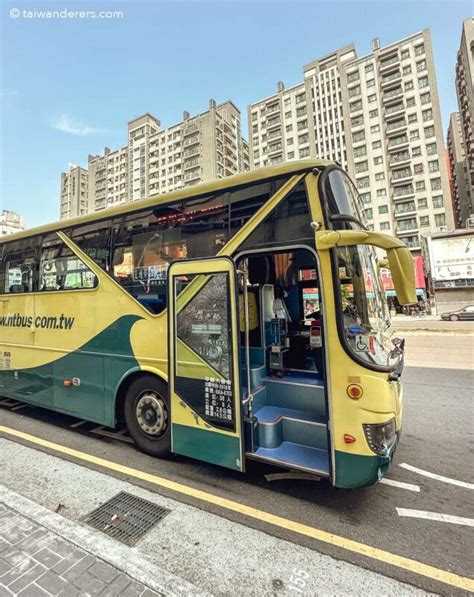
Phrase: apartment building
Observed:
(465, 92)
(74, 192)
(305, 120)
(379, 117)
(198, 149)
(461, 186)
(10, 222)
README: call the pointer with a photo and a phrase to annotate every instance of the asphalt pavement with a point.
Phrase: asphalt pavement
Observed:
(426, 515)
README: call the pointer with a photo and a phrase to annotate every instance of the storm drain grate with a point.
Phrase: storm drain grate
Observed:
(126, 517)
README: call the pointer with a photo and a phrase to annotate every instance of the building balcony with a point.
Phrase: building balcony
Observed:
(390, 80)
(408, 229)
(400, 177)
(401, 193)
(272, 124)
(190, 129)
(395, 127)
(398, 143)
(392, 96)
(404, 210)
(389, 64)
(395, 111)
(399, 159)
(188, 142)
(191, 164)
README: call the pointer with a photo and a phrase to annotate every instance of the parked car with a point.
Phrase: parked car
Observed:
(465, 313)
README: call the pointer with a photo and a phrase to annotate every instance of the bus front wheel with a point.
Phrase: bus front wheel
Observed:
(146, 412)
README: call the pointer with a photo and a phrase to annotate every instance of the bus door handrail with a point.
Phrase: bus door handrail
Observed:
(249, 397)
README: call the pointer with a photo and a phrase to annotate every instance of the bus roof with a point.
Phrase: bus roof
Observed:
(235, 180)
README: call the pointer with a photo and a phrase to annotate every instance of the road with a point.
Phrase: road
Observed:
(437, 427)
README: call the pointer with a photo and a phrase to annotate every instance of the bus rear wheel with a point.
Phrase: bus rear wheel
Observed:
(146, 412)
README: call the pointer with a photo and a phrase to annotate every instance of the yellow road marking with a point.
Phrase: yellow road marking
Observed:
(381, 555)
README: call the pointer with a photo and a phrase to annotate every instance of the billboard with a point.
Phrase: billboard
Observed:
(452, 258)
(387, 281)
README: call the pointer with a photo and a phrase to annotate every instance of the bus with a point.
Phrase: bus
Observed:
(237, 320)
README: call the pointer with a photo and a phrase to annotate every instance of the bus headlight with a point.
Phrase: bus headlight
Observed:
(380, 437)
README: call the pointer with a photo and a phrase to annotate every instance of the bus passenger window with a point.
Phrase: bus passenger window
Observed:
(19, 276)
(61, 269)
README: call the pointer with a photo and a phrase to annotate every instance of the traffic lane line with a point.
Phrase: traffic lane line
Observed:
(350, 545)
(438, 516)
(424, 473)
(400, 484)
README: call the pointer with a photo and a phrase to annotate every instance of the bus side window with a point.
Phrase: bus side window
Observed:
(61, 269)
(20, 266)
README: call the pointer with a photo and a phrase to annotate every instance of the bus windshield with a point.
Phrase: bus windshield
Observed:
(363, 305)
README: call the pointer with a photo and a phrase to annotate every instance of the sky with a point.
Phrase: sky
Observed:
(68, 86)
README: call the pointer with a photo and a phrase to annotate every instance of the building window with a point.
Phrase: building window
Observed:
(419, 50)
(360, 151)
(375, 128)
(433, 166)
(370, 82)
(427, 114)
(429, 131)
(406, 70)
(354, 76)
(431, 148)
(438, 201)
(373, 113)
(416, 151)
(408, 85)
(418, 168)
(414, 135)
(413, 117)
(369, 214)
(423, 82)
(405, 54)
(360, 136)
(369, 67)
(355, 106)
(381, 192)
(440, 220)
(422, 203)
(361, 167)
(420, 185)
(420, 66)
(410, 102)
(365, 198)
(376, 144)
(380, 176)
(372, 98)
(378, 160)
(363, 183)
(291, 155)
(424, 220)
(435, 184)
(383, 209)
(425, 98)
(357, 121)
(289, 128)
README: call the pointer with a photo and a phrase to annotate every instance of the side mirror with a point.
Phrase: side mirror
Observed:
(399, 257)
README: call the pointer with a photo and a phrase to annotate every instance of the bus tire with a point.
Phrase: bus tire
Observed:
(147, 415)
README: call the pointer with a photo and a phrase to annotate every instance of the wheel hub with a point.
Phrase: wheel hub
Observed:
(152, 414)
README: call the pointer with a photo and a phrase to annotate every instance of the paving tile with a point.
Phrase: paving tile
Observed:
(15, 572)
(25, 579)
(103, 571)
(33, 591)
(134, 589)
(52, 583)
(69, 561)
(47, 557)
(115, 587)
(75, 572)
(90, 584)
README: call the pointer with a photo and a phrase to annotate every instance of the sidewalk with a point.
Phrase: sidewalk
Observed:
(35, 562)
(190, 552)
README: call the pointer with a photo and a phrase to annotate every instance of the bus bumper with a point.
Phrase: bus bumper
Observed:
(356, 470)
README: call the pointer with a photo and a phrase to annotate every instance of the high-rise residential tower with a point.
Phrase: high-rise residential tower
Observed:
(198, 149)
(379, 117)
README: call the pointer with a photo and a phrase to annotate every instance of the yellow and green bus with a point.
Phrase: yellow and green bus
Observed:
(236, 320)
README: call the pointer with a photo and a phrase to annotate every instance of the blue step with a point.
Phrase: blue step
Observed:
(278, 425)
(297, 456)
(259, 397)
(257, 356)
(299, 392)
(257, 373)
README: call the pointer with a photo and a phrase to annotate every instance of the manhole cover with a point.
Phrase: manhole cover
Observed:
(126, 517)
